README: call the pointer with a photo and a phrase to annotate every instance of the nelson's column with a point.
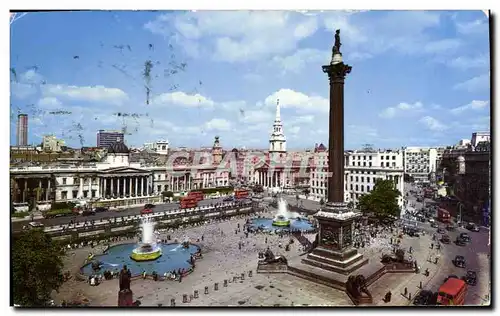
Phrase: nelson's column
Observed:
(334, 249)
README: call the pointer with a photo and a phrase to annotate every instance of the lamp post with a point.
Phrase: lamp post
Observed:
(459, 219)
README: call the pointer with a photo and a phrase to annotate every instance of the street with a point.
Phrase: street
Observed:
(18, 225)
(476, 253)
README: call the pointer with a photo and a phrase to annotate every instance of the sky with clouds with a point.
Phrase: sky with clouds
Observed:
(419, 77)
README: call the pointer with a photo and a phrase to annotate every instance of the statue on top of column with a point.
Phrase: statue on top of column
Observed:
(336, 46)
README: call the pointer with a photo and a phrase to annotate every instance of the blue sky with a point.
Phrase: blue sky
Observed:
(419, 77)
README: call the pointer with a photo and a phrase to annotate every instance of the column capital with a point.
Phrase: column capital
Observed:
(337, 72)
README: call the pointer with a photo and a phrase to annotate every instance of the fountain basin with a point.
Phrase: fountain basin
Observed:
(173, 257)
(146, 253)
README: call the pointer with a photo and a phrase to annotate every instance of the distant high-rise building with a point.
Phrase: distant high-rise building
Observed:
(107, 138)
(22, 130)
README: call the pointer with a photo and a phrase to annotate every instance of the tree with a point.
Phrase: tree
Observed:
(382, 201)
(322, 202)
(350, 204)
(36, 268)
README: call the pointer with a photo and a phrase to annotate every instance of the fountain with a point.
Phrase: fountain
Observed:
(148, 249)
(282, 218)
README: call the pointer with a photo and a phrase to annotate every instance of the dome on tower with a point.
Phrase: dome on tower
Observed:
(118, 148)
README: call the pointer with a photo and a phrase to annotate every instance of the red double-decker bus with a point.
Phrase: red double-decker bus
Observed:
(443, 215)
(198, 195)
(240, 194)
(452, 292)
(188, 202)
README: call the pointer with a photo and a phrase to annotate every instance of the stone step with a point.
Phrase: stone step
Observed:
(315, 257)
(334, 268)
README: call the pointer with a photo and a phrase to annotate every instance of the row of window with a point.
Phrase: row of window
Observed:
(370, 157)
(76, 181)
(387, 164)
(74, 195)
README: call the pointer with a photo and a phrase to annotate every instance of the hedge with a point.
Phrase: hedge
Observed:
(58, 211)
(215, 190)
(63, 205)
(20, 214)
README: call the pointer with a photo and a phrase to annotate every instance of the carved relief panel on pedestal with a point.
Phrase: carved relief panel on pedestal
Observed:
(330, 237)
(346, 236)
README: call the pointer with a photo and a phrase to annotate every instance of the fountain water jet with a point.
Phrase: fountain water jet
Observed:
(282, 219)
(148, 249)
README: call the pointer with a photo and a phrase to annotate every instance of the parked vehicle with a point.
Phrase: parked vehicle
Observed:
(35, 225)
(465, 237)
(472, 227)
(445, 239)
(100, 209)
(459, 261)
(423, 298)
(150, 206)
(470, 277)
(88, 212)
(460, 242)
(146, 211)
(228, 199)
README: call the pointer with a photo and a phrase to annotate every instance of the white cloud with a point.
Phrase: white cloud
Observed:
(479, 83)
(22, 90)
(293, 99)
(303, 119)
(218, 124)
(257, 116)
(91, 94)
(474, 105)
(31, 76)
(432, 123)
(464, 63)
(447, 46)
(238, 36)
(49, 103)
(293, 130)
(300, 59)
(181, 98)
(363, 131)
(402, 107)
(479, 26)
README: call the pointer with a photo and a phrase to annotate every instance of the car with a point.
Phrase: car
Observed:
(459, 261)
(451, 276)
(472, 227)
(440, 230)
(146, 211)
(434, 225)
(228, 199)
(465, 237)
(470, 277)
(423, 298)
(460, 242)
(100, 209)
(431, 220)
(88, 212)
(450, 228)
(149, 206)
(445, 239)
(35, 225)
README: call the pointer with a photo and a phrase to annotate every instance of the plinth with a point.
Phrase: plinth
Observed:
(335, 251)
(125, 298)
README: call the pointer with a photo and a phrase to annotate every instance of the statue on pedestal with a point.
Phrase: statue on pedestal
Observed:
(337, 44)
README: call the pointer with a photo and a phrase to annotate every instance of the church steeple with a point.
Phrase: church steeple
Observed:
(277, 141)
(278, 111)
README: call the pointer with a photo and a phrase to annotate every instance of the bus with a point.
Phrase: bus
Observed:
(198, 195)
(443, 215)
(452, 292)
(240, 194)
(189, 202)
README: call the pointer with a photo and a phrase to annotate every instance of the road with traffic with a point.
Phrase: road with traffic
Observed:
(476, 253)
(18, 225)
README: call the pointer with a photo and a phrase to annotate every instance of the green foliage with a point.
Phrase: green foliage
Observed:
(168, 194)
(62, 205)
(59, 211)
(36, 268)
(382, 201)
(20, 214)
(322, 201)
(307, 191)
(221, 190)
(350, 204)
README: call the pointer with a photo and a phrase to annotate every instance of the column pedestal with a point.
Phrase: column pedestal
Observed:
(125, 298)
